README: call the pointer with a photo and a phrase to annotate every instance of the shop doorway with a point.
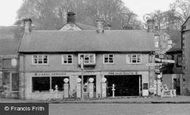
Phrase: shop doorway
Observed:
(125, 85)
(86, 84)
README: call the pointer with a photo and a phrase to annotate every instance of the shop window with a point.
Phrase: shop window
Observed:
(47, 83)
(67, 59)
(59, 81)
(40, 59)
(41, 83)
(15, 82)
(134, 59)
(108, 58)
(88, 59)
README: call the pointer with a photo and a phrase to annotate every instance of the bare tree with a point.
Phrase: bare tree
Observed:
(183, 7)
(51, 14)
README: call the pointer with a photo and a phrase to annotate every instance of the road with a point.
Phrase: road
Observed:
(119, 109)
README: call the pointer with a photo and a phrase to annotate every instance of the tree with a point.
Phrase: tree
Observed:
(170, 19)
(183, 7)
(51, 14)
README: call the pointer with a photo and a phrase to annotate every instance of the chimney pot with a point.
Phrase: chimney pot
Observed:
(151, 25)
(70, 17)
(27, 25)
(100, 25)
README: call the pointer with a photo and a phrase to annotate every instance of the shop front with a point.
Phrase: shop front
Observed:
(60, 85)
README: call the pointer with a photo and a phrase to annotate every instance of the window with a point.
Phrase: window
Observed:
(59, 81)
(40, 59)
(11, 80)
(67, 59)
(145, 85)
(43, 84)
(134, 59)
(6, 63)
(108, 59)
(15, 82)
(179, 61)
(88, 59)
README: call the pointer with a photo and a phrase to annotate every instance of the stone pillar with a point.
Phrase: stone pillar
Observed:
(98, 85)
(72, 85)
(22, 86)
(66, 88)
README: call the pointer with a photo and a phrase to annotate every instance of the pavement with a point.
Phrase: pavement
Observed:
(116, 100)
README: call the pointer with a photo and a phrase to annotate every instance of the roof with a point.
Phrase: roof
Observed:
(80, 26)
(86, 27)
(87, 41)
(9, 40)
(186, 21)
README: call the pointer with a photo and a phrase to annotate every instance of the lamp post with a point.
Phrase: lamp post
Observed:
(82, 77)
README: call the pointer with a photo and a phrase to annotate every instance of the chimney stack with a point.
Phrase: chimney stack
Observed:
(27, 25)
(70, 17)
(100, 25)
(151, 25)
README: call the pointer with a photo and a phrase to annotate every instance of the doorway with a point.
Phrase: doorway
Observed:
(125, 85)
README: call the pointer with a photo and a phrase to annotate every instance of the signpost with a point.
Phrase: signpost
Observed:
(82, 77)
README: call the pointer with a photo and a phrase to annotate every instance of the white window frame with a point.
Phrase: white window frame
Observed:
(130, 56)
(63, 59)
(33, 60)
(108, 56)
(88, 54)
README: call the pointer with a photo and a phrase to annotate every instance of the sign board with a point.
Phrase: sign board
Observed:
(50, 74)
(122, 73)
(153, 64)
(168, 61)
(164, 60)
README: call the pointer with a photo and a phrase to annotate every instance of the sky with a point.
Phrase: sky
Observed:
(142, 7)
(8, 8)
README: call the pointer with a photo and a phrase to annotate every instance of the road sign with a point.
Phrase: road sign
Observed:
(168, 61)
(153, 64)
(164, 60)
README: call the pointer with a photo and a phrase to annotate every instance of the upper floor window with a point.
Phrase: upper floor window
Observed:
(108, 59)
(179, 61)
(134, 58)
(88, 59)
(40, 59)
(67, 59)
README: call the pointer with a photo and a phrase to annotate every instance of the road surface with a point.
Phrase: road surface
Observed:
(119, 109)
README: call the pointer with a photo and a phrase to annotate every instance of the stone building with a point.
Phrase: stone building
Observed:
(49, 59)
(185, 41)
(9, 76)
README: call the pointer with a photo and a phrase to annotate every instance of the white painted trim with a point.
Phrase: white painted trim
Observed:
(94, 55)
(108, 57)
(129, 61)
(42, 63)
(62, 59)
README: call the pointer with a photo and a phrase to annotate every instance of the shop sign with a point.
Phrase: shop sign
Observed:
(50, 74)
(122, 73)
(153, 64)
